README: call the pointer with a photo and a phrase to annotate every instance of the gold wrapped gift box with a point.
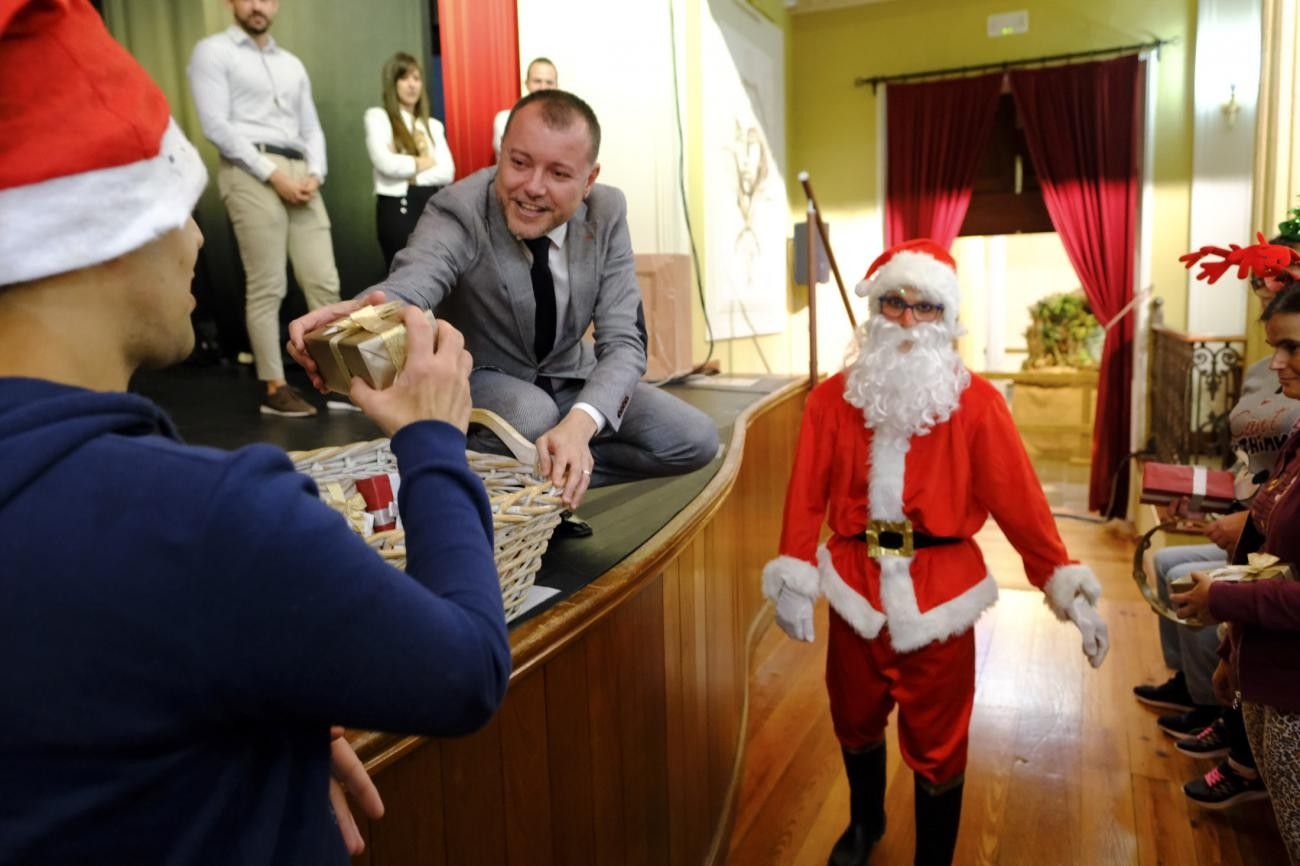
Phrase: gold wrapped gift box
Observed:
(1259, 566)
(370, 343)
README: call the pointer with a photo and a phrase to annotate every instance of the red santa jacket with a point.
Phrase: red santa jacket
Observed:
(946, 482)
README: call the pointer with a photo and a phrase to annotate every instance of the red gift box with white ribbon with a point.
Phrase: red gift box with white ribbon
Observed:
(1205, 489)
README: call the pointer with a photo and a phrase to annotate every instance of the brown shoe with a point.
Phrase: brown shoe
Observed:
(287, 403)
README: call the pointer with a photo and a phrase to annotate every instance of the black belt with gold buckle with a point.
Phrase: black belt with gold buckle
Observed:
(897, 538)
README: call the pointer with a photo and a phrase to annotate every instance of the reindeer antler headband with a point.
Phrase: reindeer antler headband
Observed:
(1261, 259)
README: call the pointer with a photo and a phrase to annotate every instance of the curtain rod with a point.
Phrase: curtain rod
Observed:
(878, 80)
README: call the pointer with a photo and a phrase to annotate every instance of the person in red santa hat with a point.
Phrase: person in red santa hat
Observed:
(905, 454)
(181, 627)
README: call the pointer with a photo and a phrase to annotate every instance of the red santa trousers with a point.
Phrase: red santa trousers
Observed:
(934, 688)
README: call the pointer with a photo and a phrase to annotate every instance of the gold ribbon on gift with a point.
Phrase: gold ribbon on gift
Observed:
(1259, 566)
(372, 319)
(353, 508)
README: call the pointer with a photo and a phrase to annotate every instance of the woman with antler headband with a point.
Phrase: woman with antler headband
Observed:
(1260, 667)
(1260, 422)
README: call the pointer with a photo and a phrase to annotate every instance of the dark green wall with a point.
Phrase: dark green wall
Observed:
(343, 44)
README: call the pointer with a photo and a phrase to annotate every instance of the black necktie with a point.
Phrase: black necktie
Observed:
(544, 294)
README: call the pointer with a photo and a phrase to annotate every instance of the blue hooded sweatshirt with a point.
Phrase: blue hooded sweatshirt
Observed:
(180, 626)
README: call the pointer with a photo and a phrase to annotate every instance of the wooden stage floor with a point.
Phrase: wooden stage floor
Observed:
(217, 406)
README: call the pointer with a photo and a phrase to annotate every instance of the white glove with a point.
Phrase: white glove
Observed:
(794, 613)
(1096, 639)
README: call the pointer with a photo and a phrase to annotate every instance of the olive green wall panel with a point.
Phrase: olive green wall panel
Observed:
(343, 44)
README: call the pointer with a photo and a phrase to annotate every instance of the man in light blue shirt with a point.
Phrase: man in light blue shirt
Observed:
(255, 105)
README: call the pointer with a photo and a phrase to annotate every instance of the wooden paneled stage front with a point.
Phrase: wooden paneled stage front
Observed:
(621, 737)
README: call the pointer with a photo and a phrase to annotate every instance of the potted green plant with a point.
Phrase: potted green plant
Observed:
(1063, 332)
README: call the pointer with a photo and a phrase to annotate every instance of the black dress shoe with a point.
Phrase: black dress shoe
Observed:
(571, 526)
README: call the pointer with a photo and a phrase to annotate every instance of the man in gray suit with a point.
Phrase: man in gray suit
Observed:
(524, 258)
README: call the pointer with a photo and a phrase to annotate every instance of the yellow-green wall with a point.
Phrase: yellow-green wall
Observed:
(831, 124)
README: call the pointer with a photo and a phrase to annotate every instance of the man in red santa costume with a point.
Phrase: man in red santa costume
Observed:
(905, 454)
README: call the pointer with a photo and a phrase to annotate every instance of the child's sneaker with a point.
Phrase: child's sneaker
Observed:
(1188, 724)
(1169, 695)
(1224, 787)
(1210, 742)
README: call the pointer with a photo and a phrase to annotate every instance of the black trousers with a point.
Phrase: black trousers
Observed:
(396, 216)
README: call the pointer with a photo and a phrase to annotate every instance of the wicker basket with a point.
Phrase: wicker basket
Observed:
(525, 508)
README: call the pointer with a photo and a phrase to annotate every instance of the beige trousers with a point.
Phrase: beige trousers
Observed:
(268, 230)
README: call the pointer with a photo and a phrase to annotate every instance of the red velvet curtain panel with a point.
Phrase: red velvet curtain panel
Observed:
(1082, 127)
(480, 63)
(936, 133)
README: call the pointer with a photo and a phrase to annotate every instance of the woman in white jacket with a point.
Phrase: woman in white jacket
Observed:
(409, 152)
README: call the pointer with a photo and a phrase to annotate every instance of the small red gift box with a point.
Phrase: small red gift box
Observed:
(380, 493)
(1206, 489)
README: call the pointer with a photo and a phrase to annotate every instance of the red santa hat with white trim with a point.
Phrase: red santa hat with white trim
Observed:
(92, 165)
(919, 264)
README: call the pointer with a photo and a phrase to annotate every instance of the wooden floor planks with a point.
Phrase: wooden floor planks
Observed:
(1066, 767)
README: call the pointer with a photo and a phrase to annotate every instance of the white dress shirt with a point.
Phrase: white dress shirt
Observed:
(247, 95)
(393, 171)
(559, 263)
(499, 129)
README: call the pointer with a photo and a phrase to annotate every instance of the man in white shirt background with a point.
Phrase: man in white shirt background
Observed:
(255, 105)
(541, 76)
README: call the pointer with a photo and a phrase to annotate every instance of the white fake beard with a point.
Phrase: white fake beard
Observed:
(905, 392)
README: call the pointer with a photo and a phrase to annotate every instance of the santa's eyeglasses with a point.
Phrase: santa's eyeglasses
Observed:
(1275, 283)
(893, 307)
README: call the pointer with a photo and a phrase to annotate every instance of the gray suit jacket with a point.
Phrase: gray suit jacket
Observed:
(462, 262)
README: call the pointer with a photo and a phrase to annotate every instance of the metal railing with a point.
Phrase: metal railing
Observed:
(1195, 382)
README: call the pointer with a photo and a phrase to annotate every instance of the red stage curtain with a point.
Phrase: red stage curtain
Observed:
(937, 132)
(480, 66)
(1081, 126)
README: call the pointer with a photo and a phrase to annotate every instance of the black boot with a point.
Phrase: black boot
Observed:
(938, 814)
(866, 771)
